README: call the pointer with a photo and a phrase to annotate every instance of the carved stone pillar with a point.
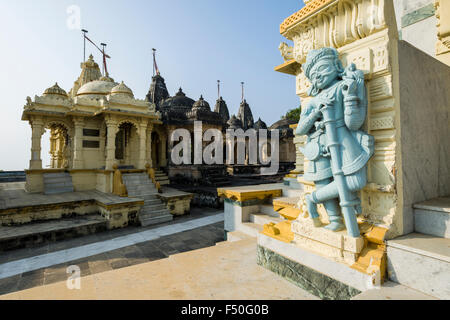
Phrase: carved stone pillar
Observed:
(142, 132)
(163, 151)
(112, 128)
(78, 160)
(37, 130)
(149, 145)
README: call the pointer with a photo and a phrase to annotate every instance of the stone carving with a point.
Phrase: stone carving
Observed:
(332, 23)
(336, 147)
(286, 52)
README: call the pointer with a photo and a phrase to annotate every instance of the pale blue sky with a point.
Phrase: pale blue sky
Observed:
(198, 42)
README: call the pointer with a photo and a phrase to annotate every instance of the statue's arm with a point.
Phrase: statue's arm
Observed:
(308, 118)
(355, 102)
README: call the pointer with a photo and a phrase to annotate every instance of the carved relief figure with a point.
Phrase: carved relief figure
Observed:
(286, 52)
(336, 147)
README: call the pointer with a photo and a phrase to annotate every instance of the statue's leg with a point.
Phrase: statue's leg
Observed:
(312, 204)
(327, 193)
(356, 182)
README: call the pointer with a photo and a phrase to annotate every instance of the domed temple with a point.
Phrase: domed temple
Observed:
(181, 112)
(104, 139)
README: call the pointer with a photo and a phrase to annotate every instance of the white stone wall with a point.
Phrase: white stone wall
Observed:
(423, 33)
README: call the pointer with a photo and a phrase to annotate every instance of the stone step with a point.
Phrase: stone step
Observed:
(37, 233)
(49, 191)
(145, 195)
(56, 175)
(263, 219)
(433, 217)
(392, 291)
(421, 262)
(250, 228)
(56, 183)
(268, 210)
(150, 198)
(152, 201)
(235, 236)
(156, 218)
(153, 208)
(142, 189)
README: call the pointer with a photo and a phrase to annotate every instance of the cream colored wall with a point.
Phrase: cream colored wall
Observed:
(424, 137)
(94, 158)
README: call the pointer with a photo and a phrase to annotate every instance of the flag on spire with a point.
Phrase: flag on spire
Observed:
(155, 65)
(105, 56)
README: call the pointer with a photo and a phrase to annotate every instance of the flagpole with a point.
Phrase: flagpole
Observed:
(242, 83)
(154, 61)
(104, 58)
(218, 89)
(84, 48)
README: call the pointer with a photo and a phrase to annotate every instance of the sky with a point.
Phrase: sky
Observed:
(198, 42)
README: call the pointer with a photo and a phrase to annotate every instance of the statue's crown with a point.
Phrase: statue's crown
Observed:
(315, 55)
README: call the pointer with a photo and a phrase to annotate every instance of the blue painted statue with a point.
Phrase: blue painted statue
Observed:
(337, 148)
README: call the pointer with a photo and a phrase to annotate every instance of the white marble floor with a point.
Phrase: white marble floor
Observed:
(13, 268)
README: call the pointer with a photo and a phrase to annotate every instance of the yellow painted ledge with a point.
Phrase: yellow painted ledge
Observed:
(243, 195)
(372, 258)
(280, 231)
(289, 67)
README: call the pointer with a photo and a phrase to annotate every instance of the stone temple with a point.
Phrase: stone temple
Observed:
(363, 215)
(181, 112)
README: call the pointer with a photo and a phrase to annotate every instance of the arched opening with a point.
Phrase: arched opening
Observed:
(127, 145)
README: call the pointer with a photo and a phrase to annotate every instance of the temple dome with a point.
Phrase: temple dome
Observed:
(97, 87)
(201, 104)
(56, 90)
(122, 89)
(235, 123)
(282, 124)
(260, 125)
(222, 109)
(178, 101)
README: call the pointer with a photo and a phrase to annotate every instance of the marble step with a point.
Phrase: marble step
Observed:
(153, 208)
(142, 189)
(235, 236)
(268, 210)
(421, 262)
(37, 233)
(56, 183)
(250, 228)
(263, 219)
(433, 217)
(152, 201)
(155, 218)
(145, 195)
(150, 198)
(58, 190)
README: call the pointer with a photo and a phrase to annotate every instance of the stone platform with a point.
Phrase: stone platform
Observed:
(33, 234)
(227, 271)
(421, 262)
(27, 219)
